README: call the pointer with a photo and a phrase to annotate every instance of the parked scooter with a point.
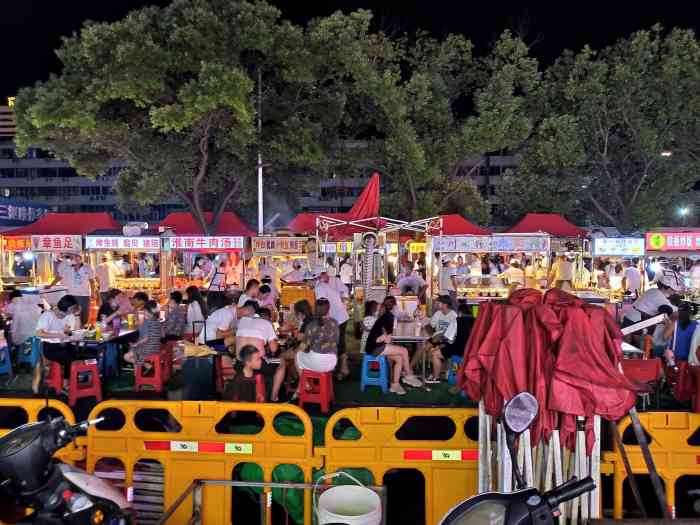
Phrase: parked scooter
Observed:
(526, 506)
(54, 492)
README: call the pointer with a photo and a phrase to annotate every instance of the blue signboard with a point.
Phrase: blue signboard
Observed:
(19, 213)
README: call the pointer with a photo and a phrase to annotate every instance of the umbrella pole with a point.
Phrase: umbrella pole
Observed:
(595, 470)
(484, 450)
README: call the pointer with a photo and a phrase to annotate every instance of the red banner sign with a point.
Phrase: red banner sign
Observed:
(18, 244)
(670, 241)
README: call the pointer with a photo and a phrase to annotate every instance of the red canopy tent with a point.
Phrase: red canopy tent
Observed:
(366, 207)
(551, 223)
(184, 223)
(66, 224)
(455, 224)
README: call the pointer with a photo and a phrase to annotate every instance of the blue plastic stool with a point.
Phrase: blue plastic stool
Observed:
(455, 363)
(5, 361)
(32, 357)
(380, 378)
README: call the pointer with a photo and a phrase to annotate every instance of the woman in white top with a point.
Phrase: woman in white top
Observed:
(196, 312)
(55, 326)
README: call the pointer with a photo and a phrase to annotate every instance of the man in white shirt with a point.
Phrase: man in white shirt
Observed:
(411, 283)
(514, 274)
(648, 304)
(334, 290)
(562, 274)
(631, 278)
(25, 313)
(447, 280)
(251, 293)
(296, 275)
(106, 276)
(255, 331)
(218, 326)
(79, 282)
(444, 324)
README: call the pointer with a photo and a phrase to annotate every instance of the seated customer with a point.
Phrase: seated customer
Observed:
(251, 293)
(379, 343)
(148, 342)
(371, 316)
(255, 331)
(57, 325)
(219, 323)
(320, 352)
(25, 314)
(243, 386)
(174, 325)
(443, 322)
(139, 300)
(294, 326)
(117, 305)
(679, 346)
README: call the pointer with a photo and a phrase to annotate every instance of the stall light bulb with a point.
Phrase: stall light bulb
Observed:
(28, 256)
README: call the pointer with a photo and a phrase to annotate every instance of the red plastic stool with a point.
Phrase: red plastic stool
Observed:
(321, 389)
(166, 357)
(154, 380)
(90, 388)
(54, 377)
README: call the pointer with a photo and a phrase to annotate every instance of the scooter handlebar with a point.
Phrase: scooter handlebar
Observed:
(569, 491)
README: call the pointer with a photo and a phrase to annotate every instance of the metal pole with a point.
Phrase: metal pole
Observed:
(261, 225)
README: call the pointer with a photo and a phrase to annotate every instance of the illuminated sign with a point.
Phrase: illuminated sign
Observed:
(670, 241)
(11, 102)
(618, 246)
(491, 244)
(204, 243)
(279, 245)
(416, 247)
(17, 244)
(337, 247)
(114, 242)
(57, 243)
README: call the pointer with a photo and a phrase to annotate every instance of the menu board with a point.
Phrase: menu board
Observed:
(521, 243)
(618, 246)
(670, 241)
(204, 243)
(463, 243)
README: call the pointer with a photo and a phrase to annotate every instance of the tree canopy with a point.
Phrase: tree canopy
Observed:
(616, 138)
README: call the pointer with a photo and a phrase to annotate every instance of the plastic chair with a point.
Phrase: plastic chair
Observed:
(646, 371)
(371, 377)
(91, 388)
(32, 357)
(155, 379)
(54, 377)
(455, 363)
(5, 361)
(320, 389)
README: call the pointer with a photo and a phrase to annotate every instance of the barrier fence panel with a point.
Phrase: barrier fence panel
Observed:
(670, 436)
(433, 441)
(193, 440)
(16, 411)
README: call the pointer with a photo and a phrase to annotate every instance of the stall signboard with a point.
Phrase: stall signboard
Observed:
(203, 243)
(17, 244)
(618, 247)
(463, 243)
(673, 241)
(416, 247)
(279, 245)
(57, 243)
(115, 242)
(337, 247)
(521, 243)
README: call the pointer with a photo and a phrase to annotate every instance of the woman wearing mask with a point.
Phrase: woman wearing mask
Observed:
(196, 312)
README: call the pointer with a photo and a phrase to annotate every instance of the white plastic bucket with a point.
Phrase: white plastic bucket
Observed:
(349, 504)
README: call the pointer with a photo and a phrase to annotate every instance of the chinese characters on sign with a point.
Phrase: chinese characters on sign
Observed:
(337, 247)
(122, 243)
(618, 246)
(17, 244)
(491, 244)
(672, 241)
(204, 243)
(16, 213)
(57, 243)
(279, 244)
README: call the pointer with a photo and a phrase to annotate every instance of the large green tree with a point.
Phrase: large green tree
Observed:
(617, 136)
(175, 92)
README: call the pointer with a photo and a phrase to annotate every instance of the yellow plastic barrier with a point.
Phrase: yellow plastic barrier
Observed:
(672, 454)
(33, 408)
(198, 451)
(449, 467)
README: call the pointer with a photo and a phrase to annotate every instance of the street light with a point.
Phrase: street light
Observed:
(666, 153)
(683, 211)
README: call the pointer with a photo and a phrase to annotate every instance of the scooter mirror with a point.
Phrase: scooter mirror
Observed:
(520, 412)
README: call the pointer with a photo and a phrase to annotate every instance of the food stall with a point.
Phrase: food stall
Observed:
(123, 247)
(280, 254)
(673, 248)
(189, 256)
(474, 288)
(43, 242)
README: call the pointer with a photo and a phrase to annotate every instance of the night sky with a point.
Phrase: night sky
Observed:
(31, 29)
